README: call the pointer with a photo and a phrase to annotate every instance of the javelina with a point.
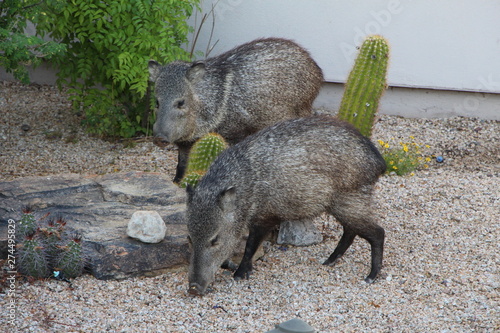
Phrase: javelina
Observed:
(292, 170)
(234, 94)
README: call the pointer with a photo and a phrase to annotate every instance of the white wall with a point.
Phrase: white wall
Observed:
(446, 44)
(445, 55)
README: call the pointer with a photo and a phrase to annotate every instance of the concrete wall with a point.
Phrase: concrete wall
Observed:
(421, 103)
(445, 55)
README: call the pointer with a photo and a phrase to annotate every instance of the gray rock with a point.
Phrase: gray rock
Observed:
(299, 233)
(100, 207)
(294, 325)
(147, 226)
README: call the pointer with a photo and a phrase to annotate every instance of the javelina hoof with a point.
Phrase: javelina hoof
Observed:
(195, 289)
(242, 275)
(369, 280)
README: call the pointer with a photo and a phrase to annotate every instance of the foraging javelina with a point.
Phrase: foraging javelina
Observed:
(295, 169)
(234, 94)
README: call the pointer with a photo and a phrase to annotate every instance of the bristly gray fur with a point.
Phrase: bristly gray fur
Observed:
(234, 94)
(292, 170)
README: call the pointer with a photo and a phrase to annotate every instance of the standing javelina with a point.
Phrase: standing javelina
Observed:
(234, 94)
(293, 170)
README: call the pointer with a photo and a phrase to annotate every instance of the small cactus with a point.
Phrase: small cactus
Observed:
(50, 235)
(365, 85)
(27, 225)
(201, 156)
(191, 179)
(71, 259)
(44, 246)
(32, 259)
(204, 152)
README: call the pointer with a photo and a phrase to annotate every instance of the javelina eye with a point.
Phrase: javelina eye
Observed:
(215, 241)
(179, 103)
(157, 103)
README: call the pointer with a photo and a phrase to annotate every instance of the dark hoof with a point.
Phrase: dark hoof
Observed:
(370, 280)
(195, 290)
(329, 262)
(242, 275)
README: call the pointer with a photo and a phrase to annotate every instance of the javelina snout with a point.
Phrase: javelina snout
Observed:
(296, 169)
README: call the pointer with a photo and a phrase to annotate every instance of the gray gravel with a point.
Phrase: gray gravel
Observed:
(442, 255)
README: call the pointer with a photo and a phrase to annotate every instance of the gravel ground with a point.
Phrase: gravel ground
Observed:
(442, 254)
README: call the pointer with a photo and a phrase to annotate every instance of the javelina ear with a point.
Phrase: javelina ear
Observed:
(227, 199)
(154, 70)
(196, 72)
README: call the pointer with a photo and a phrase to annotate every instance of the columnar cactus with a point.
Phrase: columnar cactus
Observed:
(365, 85)
(201, 156)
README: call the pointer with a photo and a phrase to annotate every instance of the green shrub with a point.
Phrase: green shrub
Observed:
(17, 50)
(109, 46)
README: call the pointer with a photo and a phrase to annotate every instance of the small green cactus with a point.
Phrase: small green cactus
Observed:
(365, 85)
(32, 259)
(50, 235)
(71, 259)
(204, 152)
(201, 156)
(46, 245)
(192, 179)
(27, 225)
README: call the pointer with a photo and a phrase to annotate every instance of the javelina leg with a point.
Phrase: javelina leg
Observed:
(354, 214)
(375, 235)
(343, 245)
(376, 239)
(255, 238)
(182, 159)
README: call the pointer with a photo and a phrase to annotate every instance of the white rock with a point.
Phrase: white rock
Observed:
(147, 226)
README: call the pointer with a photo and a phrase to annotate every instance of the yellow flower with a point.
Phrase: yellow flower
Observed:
(405, 148)
(380, 142)
(427, 159)
(426, 166)
(391, 162)
(394, 167)
(427, 146)
(412, 174)
(386, 145)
